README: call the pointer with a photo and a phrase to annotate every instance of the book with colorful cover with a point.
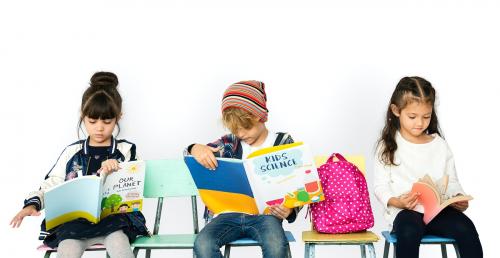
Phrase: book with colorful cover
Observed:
(284, 174)
(94, 197)
(432, 195)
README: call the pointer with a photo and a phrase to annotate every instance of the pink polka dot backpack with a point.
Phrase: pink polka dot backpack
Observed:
(346, 207)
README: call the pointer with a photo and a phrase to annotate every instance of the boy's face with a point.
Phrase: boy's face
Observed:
(254, 136)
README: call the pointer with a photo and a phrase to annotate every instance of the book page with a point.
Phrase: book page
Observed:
(432, 196)
(458, 198)
(225, 189)
(76, 198)
(284, 175)
(122, 191)
(442, 185)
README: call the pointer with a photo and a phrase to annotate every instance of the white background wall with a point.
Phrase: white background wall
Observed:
(329, 68)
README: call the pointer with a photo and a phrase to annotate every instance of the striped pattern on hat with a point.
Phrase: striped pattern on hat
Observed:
(247, 95)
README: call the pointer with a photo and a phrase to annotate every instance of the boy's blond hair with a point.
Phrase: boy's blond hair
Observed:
(236, 118)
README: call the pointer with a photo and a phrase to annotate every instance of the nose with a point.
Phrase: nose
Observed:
(100, 125)
(420, 122)
(240, 134)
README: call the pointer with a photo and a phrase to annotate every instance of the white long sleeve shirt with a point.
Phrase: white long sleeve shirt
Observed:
(413, 162)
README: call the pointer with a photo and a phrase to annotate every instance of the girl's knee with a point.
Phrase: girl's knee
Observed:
(409, 233)
(70, 248)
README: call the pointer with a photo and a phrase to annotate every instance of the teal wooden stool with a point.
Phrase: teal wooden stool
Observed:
(426, 240)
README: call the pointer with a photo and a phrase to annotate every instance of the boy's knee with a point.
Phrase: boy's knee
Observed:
(275, 249)
(205, 244)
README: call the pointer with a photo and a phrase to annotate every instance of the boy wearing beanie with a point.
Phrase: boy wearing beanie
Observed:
(244, 113)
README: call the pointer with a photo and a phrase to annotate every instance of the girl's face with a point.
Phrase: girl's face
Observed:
(100, 131)
(414, 120)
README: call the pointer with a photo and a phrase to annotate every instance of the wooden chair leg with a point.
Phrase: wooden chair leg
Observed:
(107, 255)
(363, 251)
(387, 245)
(227, 251)
(306, 250)
(456, 250)
(288, 252)
(444, 254)
(148, 253)
(371, 250)
(135, 251)
(47, 254)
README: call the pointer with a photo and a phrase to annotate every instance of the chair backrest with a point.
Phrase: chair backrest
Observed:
(168, 178)
(358, 160)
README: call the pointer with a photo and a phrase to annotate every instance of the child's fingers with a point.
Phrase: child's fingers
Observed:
(280, 211)
(112, 165)
(214, 149)
(413, 204)
(213, 161)
(13, 222)
(275, 211)
(16, 221)
(104, 170)
(205, 162)
(115, 165)
(210, 163)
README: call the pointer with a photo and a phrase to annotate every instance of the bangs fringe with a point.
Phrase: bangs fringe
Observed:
(100, 107)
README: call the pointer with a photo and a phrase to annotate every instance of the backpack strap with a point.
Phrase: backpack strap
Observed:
(336, 155)
(280, 139)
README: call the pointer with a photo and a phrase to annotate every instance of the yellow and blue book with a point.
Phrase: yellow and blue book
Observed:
(94, 197)
(280, 175)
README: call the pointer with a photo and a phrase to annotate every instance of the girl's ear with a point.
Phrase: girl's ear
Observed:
(395, 110)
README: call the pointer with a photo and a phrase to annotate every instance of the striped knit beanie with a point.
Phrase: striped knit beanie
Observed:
(247, 95)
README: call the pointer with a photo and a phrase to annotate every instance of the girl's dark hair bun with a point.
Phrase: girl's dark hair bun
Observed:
(104, 80)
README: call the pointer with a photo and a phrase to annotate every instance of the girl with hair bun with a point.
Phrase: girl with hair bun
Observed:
(100, 152)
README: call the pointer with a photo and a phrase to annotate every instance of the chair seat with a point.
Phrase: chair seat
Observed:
(172, 241)
(95, 247)
(249, 241)
(350, 238)
(428, 239)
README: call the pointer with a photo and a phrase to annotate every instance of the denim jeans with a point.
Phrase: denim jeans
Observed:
(227, 227)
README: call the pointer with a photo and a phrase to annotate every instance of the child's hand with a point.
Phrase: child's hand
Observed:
(461, 206)
(29, 210)
(205, 155)
(405, 201)
(109, 166)
(280, 211)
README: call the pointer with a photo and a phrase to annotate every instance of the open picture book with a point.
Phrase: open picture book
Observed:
(94, 197)
(433, 196)
(284, 174)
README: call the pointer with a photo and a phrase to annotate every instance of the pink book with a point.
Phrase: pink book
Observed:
(432, 196)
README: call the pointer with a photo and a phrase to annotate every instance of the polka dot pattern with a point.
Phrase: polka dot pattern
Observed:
(346, 207)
